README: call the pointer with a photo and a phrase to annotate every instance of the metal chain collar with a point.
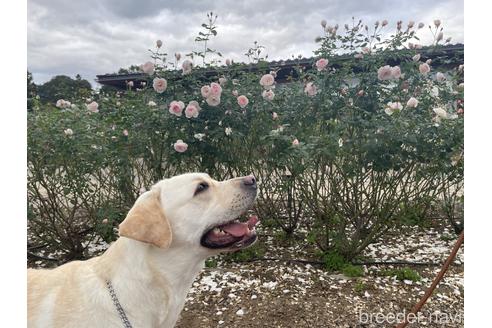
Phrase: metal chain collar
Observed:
(121, 313)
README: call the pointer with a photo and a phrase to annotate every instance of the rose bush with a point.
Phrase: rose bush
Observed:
(344, 149)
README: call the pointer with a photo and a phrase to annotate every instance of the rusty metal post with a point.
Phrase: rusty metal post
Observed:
(436, 281)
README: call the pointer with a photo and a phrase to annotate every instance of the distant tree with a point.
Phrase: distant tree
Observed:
(64, 87)
(32, 91)
(108, 89)
(129, 70)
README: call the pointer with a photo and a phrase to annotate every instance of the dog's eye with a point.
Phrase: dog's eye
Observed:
(202, 186)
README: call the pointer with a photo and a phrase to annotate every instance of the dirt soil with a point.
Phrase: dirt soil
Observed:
(283, 294)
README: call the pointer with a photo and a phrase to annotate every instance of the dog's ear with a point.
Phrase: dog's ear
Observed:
(146, 221)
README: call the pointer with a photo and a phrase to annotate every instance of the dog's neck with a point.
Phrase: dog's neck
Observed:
(164, 276)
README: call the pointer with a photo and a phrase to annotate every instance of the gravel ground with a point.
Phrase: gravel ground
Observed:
(277, 293)
(280, 294)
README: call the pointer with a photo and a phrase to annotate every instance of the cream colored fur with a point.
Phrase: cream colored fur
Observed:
(151, 266)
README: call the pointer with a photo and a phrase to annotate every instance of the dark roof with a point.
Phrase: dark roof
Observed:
(444, 56)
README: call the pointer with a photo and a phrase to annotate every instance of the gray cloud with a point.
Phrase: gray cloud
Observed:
(99, 36)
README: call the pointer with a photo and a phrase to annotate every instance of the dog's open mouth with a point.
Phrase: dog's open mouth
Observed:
(233, 234)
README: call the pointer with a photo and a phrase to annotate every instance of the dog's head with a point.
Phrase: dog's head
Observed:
(193, 210)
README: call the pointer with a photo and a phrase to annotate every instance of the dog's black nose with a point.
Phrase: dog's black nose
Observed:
(249, 181)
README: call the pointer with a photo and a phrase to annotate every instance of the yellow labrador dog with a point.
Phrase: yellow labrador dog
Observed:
(142, 279)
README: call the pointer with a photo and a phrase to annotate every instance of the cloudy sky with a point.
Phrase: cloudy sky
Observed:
(93, 37)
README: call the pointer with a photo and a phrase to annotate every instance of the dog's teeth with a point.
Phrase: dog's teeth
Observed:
(217, 230)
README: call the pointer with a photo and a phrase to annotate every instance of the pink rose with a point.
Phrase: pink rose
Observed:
(416, 58)
(222, 80)
(213, 100)
(93, 107)
(125, 133)
(440, 77)
(180, 146)
(205, 91)
(274, 115)
(268, 95)
(424, 68)
(215, 89)
(310, 89)
(396, 72)
(440, 112)
(412, 102)
(242, 101)
(411, 24)
(321, 64)
(393, 107)
(385, 73)
(176, 107)
(360, 93)
(396, 106)
(192, 109)
(61, 103)
(295, 142)
(187, 66)
(147, 68)
(267, 81)
(159, 84)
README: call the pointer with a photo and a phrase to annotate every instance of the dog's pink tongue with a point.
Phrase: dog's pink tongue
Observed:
(236, 229)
